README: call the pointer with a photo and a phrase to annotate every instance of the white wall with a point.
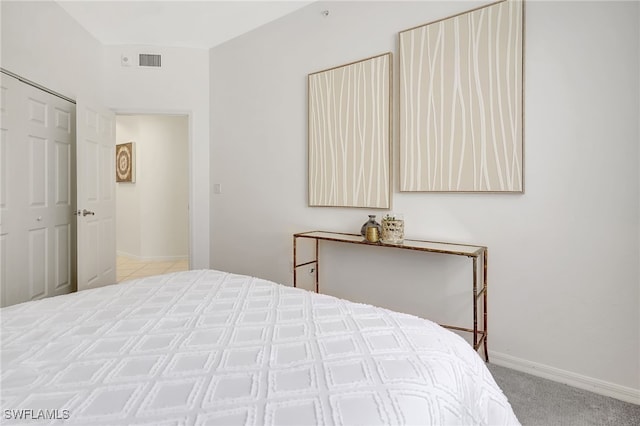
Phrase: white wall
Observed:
(181, 86)
(563, 267)
(42, 43)
(152, 215)
(128, 196)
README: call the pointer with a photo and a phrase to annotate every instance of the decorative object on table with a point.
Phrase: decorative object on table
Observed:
(126, 162)
(373, 234)
(349, 132)
(461, 102)
(392, 229)
(371, 222)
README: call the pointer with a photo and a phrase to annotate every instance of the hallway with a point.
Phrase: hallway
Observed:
(128, 268)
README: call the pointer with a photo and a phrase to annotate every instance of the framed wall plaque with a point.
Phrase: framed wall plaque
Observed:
(461, 102)
(125, 162)
(349, 129)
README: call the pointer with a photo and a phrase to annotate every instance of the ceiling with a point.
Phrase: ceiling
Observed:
(197, 24)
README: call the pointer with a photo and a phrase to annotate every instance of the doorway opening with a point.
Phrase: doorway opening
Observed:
(152, 211)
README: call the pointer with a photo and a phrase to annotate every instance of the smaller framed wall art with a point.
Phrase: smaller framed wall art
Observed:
(349, 127)
(126, 162)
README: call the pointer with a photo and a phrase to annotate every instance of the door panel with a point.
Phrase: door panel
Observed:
(38, 262)
(91, 163)
(37, 112)
(91, 253)
(63, 120)
(107, 230)
(96, 190)
(63, 174)
(3, 167)
(107, 173)
(63, 257)
(3, 266)
(37, 171)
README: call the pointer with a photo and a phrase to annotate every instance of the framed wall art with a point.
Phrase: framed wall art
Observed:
(461, 102)
(349, 127)
(126, 162)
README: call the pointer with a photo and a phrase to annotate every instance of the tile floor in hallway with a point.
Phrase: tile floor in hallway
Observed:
(128, 268)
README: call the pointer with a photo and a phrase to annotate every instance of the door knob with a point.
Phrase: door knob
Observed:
(86, 212)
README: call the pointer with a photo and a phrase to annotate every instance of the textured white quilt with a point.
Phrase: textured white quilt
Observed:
(208, 347)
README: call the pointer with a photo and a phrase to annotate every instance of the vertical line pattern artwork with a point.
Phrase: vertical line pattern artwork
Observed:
(460, 103)
(349, 137)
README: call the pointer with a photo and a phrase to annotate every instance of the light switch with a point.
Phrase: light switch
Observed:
(217, 188)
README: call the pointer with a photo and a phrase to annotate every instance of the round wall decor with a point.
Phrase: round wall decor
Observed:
(125, 162)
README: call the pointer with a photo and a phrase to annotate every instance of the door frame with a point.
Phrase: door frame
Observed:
(189, 115)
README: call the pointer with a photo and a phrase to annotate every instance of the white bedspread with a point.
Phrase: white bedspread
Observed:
(207, 347)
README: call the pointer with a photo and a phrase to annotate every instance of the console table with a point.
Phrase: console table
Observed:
(473, 252)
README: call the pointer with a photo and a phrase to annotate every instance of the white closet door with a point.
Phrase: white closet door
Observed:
(96, 196)
(37, 228)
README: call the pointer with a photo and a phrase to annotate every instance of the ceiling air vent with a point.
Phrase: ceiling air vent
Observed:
(147, 60)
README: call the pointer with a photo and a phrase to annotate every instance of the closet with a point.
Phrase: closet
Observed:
(37, 193)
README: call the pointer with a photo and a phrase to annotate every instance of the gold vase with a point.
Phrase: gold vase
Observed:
(372, 234)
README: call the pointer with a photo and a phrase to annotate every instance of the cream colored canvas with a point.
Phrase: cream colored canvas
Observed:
(349, 132)
(461, 102)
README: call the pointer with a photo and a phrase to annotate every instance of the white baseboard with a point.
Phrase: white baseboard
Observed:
(152, 258)
(598, 386)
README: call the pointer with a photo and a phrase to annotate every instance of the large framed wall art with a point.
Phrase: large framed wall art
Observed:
(461, 102)
(349, 136)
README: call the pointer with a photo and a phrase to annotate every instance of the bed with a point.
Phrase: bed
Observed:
(209, 347)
